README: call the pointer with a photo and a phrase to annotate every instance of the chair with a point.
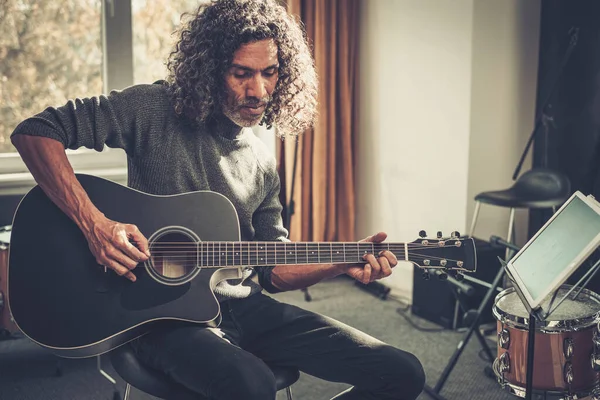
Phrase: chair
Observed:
(159, 385)
(536, 188)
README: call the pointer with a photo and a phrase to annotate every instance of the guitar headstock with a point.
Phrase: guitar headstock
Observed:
(453, 253)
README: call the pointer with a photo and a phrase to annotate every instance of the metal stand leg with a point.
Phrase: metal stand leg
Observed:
(474, 327)
(58, 369)
(104, 373)
(288, 391)
(510, 235)
(482, 341)
(474, 220)
(116, 394)
(307, 296)
(127, 391)
(530, 348)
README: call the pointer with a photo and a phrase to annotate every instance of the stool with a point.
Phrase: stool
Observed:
(536, 188)
(157, 384)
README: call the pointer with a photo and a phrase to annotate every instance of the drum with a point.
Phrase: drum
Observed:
(566, 361)
(7, 324)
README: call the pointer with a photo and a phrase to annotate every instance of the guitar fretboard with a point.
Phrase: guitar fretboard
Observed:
(213, 254)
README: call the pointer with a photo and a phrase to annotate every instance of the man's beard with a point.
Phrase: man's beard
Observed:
(235, 112)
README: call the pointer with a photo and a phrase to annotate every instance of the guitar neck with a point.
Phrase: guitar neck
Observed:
(213, 254)
(426, 253)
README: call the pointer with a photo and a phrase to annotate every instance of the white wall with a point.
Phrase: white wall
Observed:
(504, 82)
(434, 74)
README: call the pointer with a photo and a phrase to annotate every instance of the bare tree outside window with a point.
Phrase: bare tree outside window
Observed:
(51, 51)
(154, 22)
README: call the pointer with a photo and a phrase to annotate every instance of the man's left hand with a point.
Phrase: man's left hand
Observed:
(376, 266)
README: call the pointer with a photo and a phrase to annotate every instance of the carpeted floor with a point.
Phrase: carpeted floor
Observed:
(29, 373)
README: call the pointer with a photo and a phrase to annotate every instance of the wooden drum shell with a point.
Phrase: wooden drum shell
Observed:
(550, 350)
(549, 359)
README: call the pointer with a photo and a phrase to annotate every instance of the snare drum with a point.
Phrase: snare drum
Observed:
(566, 349)
(7, 324)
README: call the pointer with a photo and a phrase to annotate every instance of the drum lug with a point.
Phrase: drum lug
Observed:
(568, 349)
(568, 373)
(596, 341)
(504, 360)
(596, 361)
(504, 338)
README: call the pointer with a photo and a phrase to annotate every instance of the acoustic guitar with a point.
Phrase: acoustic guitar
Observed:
(62, 299)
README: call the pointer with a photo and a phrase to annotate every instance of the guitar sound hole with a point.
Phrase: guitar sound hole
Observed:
(174, 256)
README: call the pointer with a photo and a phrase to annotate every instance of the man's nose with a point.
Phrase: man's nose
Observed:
(256, 87)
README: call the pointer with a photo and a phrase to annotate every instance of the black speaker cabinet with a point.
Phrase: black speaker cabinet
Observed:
(433, 299)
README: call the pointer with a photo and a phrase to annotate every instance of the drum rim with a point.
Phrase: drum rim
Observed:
(556, 325)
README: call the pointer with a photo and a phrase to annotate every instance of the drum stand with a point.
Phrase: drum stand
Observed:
(473, 328)
(536, 314)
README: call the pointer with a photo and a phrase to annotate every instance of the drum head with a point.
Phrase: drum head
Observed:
(573, 313)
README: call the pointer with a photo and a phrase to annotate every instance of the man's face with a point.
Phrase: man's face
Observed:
(250, 81)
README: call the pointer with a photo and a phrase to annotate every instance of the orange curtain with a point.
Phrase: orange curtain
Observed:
(323, 192)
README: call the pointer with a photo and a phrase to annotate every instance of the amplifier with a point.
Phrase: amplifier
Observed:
(434, 300)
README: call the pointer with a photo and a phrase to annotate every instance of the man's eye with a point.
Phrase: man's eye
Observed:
(241, 75)
(269, 72)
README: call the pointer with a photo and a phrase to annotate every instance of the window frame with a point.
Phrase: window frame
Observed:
(117, 73)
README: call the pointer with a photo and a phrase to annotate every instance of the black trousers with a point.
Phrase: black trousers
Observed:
(230, 362)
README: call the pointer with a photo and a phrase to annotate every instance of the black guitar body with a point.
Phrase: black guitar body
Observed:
(63, 300)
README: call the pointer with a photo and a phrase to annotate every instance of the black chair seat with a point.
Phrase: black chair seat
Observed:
(537, 188)
(157, 384)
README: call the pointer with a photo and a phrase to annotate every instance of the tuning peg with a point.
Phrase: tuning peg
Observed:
(459, 277)
(455, 235)
(422, 234)
(442, 275)
(426, 275)
(439, 234)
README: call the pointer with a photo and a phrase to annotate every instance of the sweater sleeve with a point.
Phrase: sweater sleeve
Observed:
(268, 225)
(93, 122)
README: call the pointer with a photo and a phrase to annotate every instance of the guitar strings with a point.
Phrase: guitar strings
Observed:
(228, 252)
(235, 246)
(193, 263)
(449, 241)
(272, 254)
(213, 252)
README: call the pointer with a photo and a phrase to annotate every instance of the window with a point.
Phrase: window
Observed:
(154, 22)
(52, 51)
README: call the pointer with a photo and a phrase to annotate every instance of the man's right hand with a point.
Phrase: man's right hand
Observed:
(117, 246)
(120, 247)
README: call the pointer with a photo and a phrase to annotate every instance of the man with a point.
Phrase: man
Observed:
(237, 63)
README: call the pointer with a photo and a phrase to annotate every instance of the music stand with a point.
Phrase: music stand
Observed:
(549, 258)
(473, 329)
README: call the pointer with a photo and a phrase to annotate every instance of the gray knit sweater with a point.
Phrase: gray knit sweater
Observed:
(168, 154)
